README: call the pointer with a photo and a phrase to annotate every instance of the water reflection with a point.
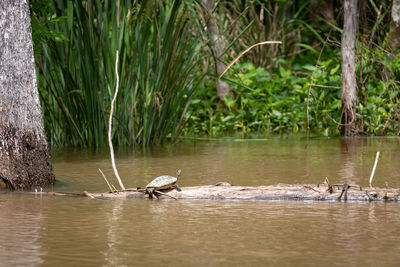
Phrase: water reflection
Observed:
(347, 172)
(22, 229)
(112, 227)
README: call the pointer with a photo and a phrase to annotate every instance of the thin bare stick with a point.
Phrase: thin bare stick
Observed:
(344, 191)
(109, 186)
(110, 125)
(161, 193)
(88, 194)
(311, 188)
(244, 52)
(115, 189)
(330, 187)
(373, 169)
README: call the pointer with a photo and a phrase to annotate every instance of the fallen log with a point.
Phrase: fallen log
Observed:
(225, 191)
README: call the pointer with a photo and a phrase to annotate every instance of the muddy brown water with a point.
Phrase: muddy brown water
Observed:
(74, 231)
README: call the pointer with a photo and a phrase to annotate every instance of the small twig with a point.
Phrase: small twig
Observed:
(244, 52)
(330, 188)
(115, 189)
(344, 190)
(351, 185)
(161, 193)
(373, 169)
(110, 124)
(310, 187)
(109, 186)
(368, 195)
(88, 194)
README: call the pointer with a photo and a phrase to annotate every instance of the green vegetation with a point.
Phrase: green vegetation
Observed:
(158, 56)
(276, 102)
(165, 51)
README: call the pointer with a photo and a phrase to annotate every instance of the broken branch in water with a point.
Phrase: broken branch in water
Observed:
(344, 190)
(373, 169)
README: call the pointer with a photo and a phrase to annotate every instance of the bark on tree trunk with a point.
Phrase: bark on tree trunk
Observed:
(24, 156)
(349, 84)
(394, 37)
(218, 48)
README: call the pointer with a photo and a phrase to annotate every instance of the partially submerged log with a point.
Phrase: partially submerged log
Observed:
(225, 191)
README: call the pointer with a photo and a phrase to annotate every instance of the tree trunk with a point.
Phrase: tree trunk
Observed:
(394, 37)
(218, 49)
(24, 156)
(349, 84)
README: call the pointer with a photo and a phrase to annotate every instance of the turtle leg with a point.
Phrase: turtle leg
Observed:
(150, 191)
(177, 187)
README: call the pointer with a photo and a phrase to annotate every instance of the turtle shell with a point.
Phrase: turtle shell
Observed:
(162, 182)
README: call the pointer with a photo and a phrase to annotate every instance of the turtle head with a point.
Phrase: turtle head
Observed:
(177, 173)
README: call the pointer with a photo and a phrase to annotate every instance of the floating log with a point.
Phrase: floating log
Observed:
(225, 191)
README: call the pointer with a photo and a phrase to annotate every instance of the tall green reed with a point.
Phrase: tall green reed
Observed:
(159, 60)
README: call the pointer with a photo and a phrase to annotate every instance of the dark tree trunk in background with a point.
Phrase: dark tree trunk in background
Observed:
(349, 84)
(218, 48)
(394, 37)
(24, 155)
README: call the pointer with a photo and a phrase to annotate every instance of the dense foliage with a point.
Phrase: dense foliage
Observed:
(158, 54)
(165, 49)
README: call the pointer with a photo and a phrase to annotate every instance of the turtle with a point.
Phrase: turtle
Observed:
(162, 182)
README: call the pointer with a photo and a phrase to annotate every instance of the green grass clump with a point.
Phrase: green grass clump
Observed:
(158, 56)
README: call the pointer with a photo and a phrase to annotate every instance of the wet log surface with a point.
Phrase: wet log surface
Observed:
(224, 191)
